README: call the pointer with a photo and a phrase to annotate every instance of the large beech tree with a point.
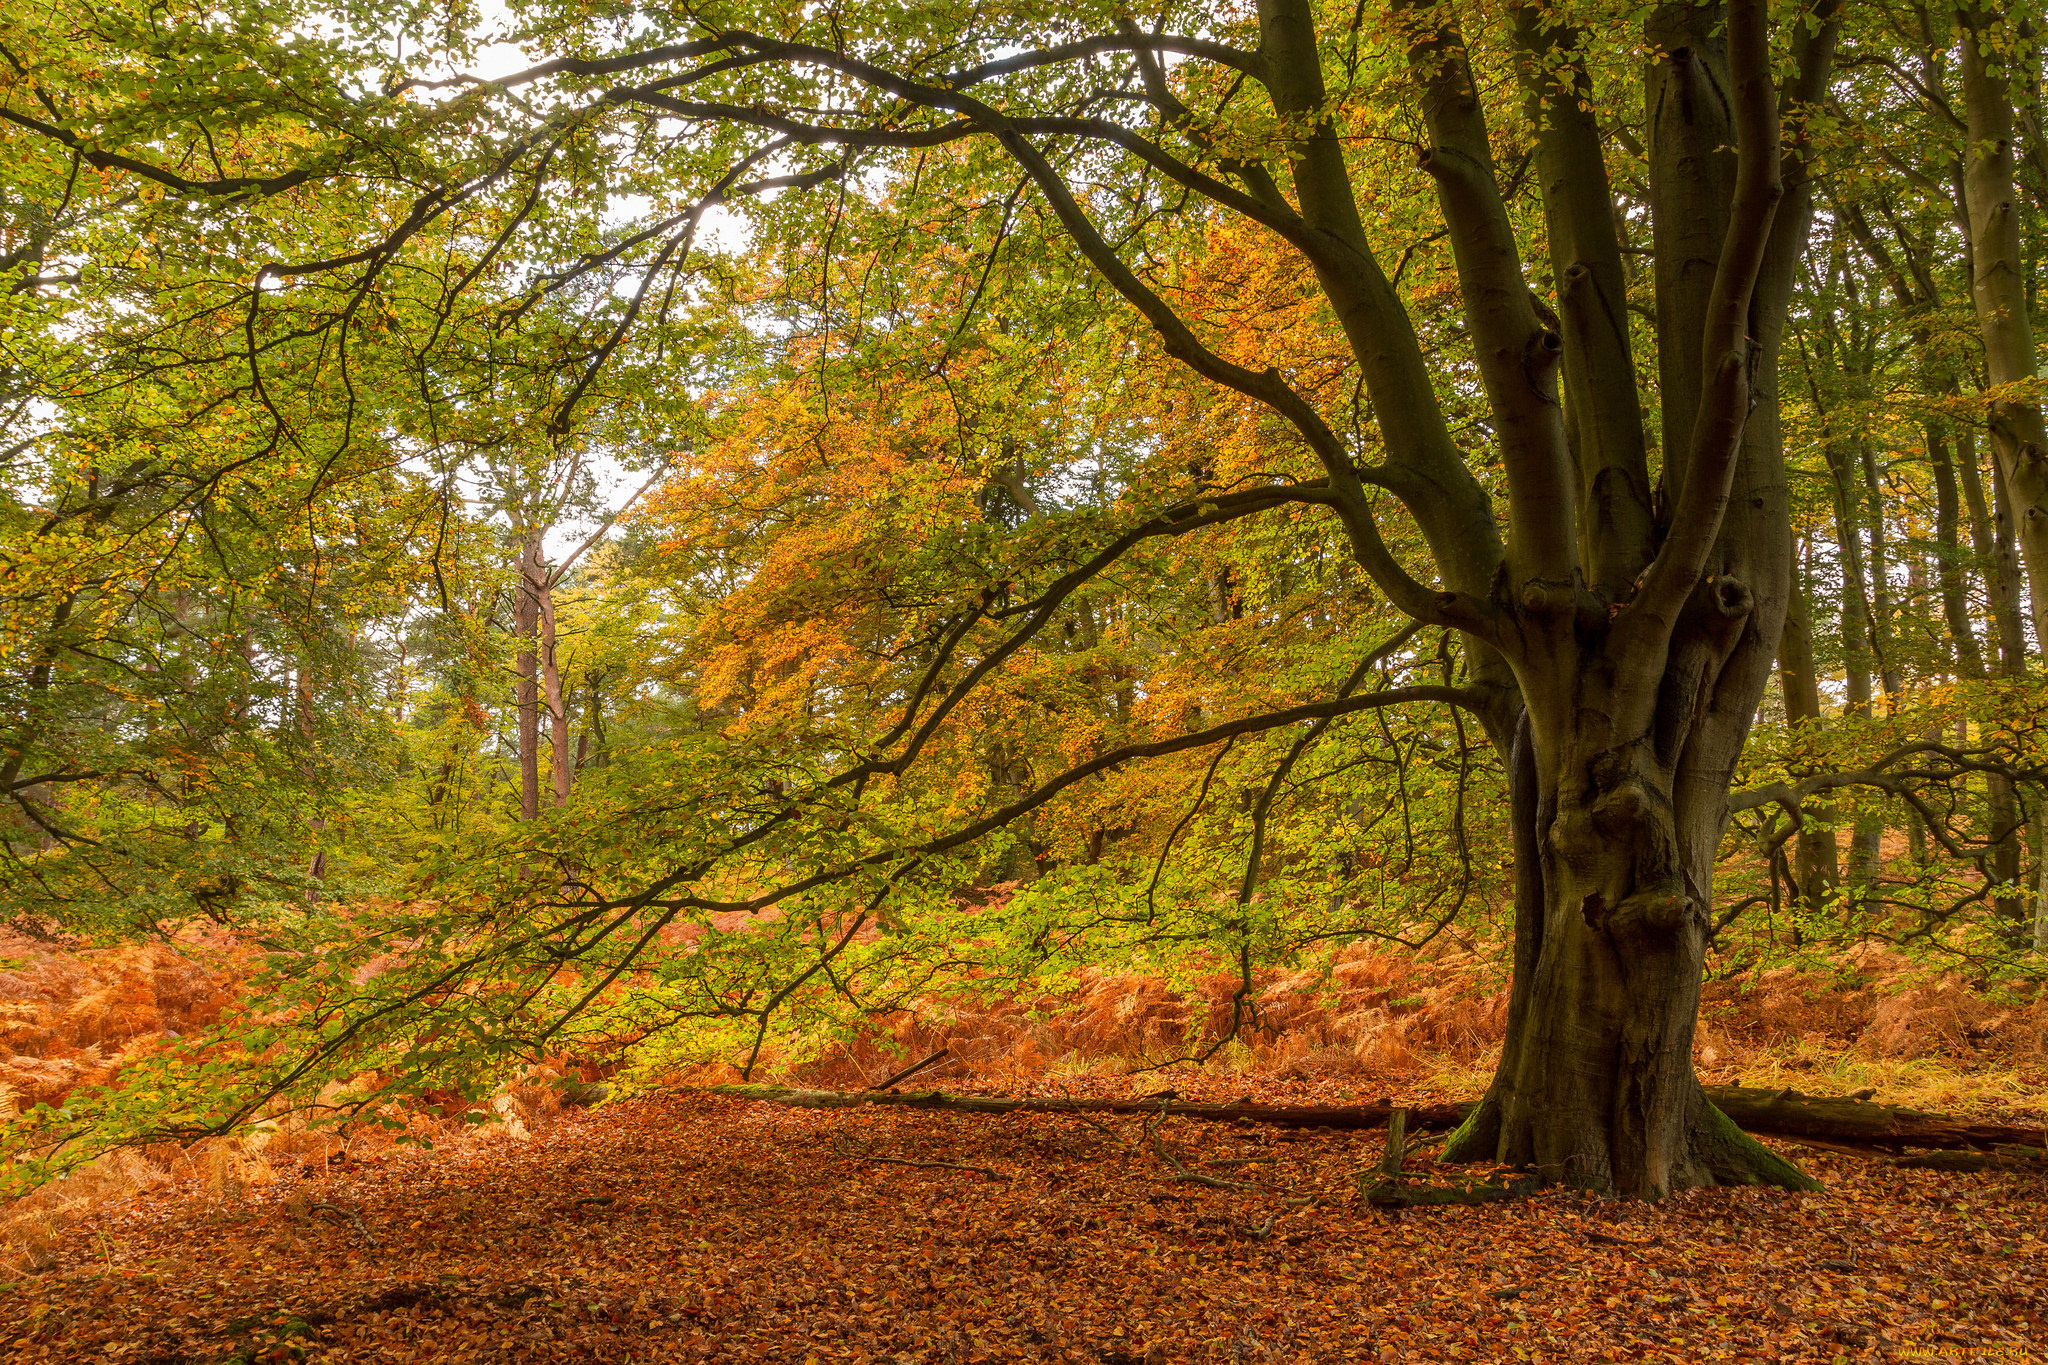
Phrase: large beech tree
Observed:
(1621, 580)
(1626, 602)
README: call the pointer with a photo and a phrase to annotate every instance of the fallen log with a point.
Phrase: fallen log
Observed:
(1394, 1195)
(1341, 1116)
(1851, 1122)
(1860, 1122)
(2031, 1160)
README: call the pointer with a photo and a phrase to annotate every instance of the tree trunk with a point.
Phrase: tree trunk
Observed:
(1858, 628)
(1596, 1084)
(1883, 648)
(593, 715)
(2019, 436)
(525, 626)
(551, 694)
(1816, 856)
(1855, 605)
(1955, 594)
(1991, 533)
(1633, 749)
(2041, 901)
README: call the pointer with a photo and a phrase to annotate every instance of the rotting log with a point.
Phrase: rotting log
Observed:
(1395, 1195)
(1344, 1116)
(1860, 1123)
(1775, 1113)
(2028, 1160)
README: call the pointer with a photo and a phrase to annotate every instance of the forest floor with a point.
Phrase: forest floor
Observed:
(681, 1227)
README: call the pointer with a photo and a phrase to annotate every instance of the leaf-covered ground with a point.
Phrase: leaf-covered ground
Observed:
(678, 1227)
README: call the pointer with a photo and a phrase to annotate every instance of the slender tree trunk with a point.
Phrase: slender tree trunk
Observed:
(1883, 647)
(1855, 604)
(1949, 564)
(1816, 858)
(1857, 620)
(1916, 593)
(302, 706)
(2003, 803)
(551, 695)
(593, 715)
(1991, 533)
(525, 627)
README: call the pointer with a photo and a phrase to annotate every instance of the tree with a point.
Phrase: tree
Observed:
(1622, 614)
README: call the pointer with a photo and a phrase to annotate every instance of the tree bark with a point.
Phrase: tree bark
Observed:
(1883, 647)
(1949, 562)
(1858, 624)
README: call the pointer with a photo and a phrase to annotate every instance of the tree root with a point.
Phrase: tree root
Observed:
(1733, 1157)
(1722, 1154)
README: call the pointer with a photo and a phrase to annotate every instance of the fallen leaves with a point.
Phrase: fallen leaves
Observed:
(688, 1228)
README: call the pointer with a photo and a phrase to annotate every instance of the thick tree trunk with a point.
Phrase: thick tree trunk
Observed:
(1596, 1086)
(2019, 434)
(1633, 741)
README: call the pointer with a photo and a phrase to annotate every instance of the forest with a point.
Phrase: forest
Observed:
(958, 680)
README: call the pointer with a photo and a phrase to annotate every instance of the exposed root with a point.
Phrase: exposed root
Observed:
(1732, 1157)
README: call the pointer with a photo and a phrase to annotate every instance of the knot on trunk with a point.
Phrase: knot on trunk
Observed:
(1544, 598)
(1659, 912)
(1730, 596)
(1718, 608)
(1620, 811)
(1540, 357)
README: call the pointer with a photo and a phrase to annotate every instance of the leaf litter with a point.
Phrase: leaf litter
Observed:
(678, 1226)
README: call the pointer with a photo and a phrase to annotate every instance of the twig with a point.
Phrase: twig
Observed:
(940, 1165)
(1180, 1170)
(910, 1071)
(1098, 1124)
(846, 1151)
(349, 1215)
